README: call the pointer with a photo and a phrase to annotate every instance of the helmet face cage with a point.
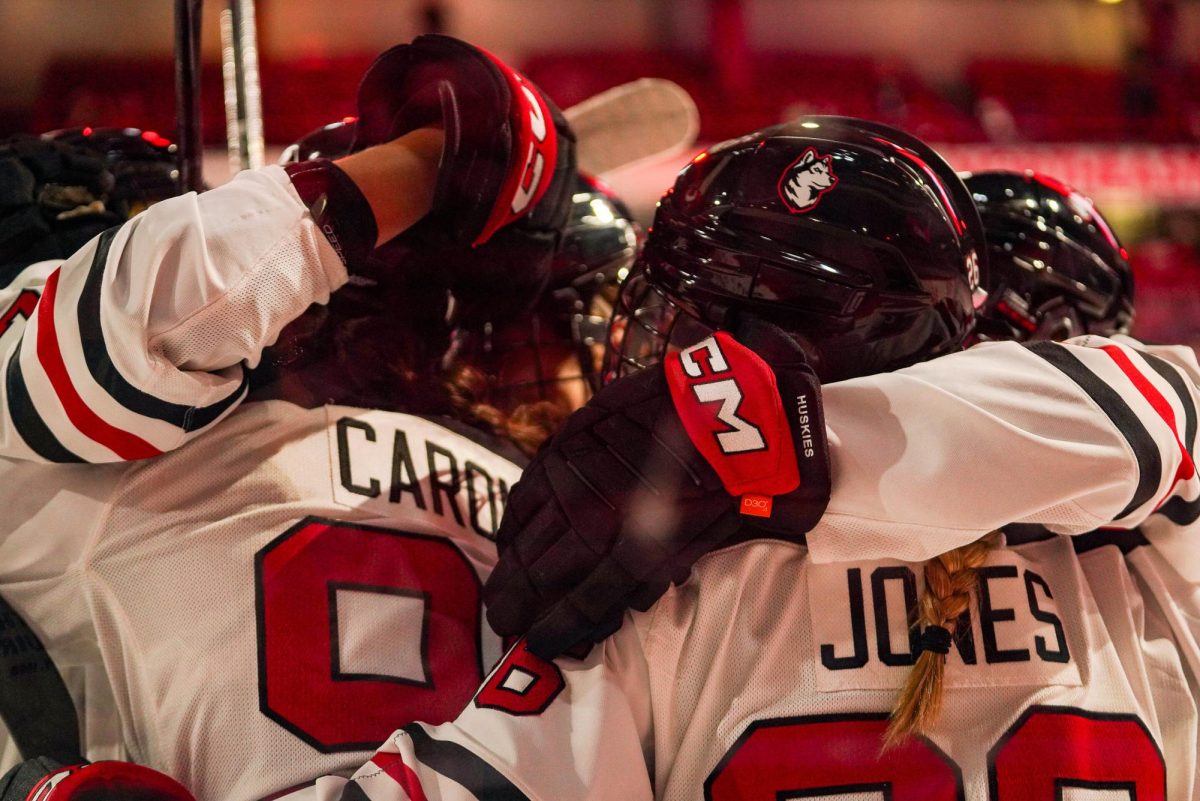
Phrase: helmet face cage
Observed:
(556, 351)
(1057, 268)
(648, 323)
(856, 239)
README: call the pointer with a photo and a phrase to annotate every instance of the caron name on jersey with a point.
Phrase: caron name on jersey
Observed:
(392, 463)
(1015, 631)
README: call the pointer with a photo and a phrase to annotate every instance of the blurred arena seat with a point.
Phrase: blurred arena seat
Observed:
(1033, 101)
(778, 85)
(1052, 102)
(298, 95)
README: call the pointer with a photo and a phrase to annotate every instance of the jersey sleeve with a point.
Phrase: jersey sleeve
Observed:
(536, 731)
(1076, 436)
(141, 339)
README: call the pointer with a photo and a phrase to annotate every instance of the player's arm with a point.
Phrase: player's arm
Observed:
(141, 340)
(922, 460)
(569, 730)
(1070, 436)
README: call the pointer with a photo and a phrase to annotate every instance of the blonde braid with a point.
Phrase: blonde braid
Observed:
(949, 582)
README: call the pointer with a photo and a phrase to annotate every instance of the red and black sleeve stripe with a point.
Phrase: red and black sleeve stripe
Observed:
(109, 378)
(461, 765)
(26, 420)
(1179, 511)
(1145, 449)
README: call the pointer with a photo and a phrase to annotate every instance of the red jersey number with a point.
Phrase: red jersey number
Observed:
(833, 754)
(1047, 749)
(23, 306)
(306, 683)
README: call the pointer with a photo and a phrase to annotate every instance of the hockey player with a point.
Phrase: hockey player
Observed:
(1058, 271)
(771, 672)
(292, 569)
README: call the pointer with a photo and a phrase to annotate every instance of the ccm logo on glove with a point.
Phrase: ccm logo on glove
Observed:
(531, 133)
(535, 161)
(746, 438)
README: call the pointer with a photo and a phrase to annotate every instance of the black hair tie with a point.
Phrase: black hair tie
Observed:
(935, 639)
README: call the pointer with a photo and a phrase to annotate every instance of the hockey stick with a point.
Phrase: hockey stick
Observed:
(243, 94)
(637, 121)
(187, 93)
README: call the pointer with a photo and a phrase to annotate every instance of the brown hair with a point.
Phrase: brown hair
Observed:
(949, 581)
(370, 350)
(527, 426)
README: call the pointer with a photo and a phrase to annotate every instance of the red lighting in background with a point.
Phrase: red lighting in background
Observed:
(349, 120)
(87, 131)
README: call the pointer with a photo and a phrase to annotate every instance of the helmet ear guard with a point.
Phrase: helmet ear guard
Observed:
(856, 239)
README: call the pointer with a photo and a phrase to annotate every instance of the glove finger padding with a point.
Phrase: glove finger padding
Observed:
(502, 143)
(644, 476)
(614, 494)
(503, 193)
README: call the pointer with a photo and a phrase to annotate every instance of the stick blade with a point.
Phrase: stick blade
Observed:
(634, 122)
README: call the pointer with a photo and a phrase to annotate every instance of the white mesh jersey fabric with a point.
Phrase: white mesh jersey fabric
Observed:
(147, 327)
(747, 654)
(936, 455)
(1080, 679)
(200, 591)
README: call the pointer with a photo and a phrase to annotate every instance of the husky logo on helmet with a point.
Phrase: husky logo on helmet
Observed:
(806, 180)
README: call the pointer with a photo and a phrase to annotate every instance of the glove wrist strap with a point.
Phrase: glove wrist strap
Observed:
(338, 208)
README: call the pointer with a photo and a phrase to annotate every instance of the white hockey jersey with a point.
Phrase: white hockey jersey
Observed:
(769, 676)
(288, 586)
(138, 345)
(770, 673)
(271, 587)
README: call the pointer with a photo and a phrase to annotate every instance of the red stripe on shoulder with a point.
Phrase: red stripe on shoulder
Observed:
(90, 424)
(394, 766)
(1187, 467)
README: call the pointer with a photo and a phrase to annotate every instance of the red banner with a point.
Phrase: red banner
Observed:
(1118, 173)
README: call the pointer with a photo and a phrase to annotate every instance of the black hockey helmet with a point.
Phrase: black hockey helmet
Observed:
(854, 237)
(143, 163)
(599, 245)
(1057, 269)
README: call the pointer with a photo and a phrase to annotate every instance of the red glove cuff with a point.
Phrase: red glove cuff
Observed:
(728, 401)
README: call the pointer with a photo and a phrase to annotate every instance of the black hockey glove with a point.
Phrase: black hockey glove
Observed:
(505, 176)
(52, 201)
(709, 449)
(44, 779)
